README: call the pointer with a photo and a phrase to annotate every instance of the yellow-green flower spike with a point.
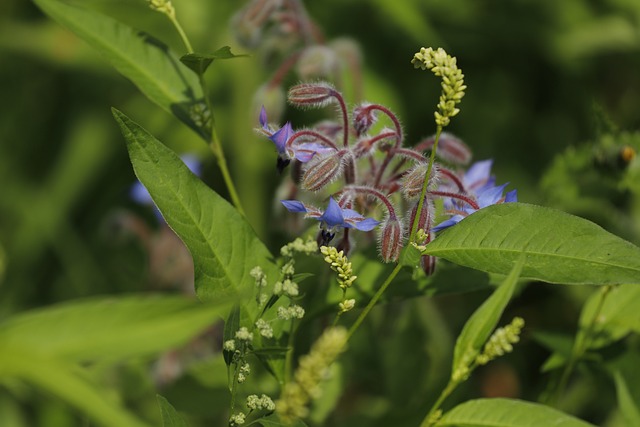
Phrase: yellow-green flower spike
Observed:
(443, 65)
(501, 341)
(340, 264)
(312, 370)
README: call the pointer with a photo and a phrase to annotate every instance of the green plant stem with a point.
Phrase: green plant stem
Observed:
(398, 267)
(214, 141)
(428, 419)
(181, 32)
(425, 184)
(373, 301)
(580, 346)
(288, 361)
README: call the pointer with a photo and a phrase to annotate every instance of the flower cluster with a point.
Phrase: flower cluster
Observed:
(313, 368)
(361, 167)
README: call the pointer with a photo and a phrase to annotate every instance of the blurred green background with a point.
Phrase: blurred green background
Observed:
(542, 76)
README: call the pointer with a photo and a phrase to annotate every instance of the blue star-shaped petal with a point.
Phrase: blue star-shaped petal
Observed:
(333, 217)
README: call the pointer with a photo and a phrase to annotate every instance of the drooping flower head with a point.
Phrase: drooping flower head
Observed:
(333, 218)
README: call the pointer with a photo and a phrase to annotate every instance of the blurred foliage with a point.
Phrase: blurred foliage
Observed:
(535, 70)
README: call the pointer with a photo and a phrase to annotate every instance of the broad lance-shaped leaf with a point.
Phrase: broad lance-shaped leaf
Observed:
(112, 328)
(628, 408)
(223, 245)
(199, 62)
(170, 417)
(483, 321)
(147, 62)
(561, 248)
(507, 413)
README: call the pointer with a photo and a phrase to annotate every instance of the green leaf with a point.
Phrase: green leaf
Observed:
(628, 407)
(507, 413)
(484, 320)
(223, 245)
(65, 381)
(410, 256)
(271, 352)
(231, 326)
(618, 316)
(110, 328)
(145, 61)
(199, 62)
(561, 248)
(170, 417)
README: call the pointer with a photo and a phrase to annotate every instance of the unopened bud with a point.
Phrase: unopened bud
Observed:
(323, 171)
(363, 118)
(272, 98)
(453, 150)
(428, 264)
(390, 240)
(312, 95)
(414, 179)
(317, 62)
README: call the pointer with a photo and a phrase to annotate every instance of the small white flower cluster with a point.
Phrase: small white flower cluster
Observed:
(298, 245)
(264, 328)
(237, 419)
(256, 403)
(286, 287)
(259, 276)
(292, 312)
(243, 334)
(245, 370)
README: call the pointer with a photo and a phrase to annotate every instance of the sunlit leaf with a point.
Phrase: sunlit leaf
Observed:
(199, 62)
(484, 320)
(507, 413)
(147, 62)
(561, 248)
(110, 328)
(170, 417)
(223, 245)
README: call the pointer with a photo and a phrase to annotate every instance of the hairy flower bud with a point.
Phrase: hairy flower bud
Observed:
(323, 171)
(428, 264)
(318, 62)
(414, 179)
(390, 239)
(363, 118)
(272, 98)
(312, 94)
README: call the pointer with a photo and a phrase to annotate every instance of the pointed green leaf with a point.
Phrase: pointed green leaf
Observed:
(231, 326)
(170, 417)
(147, 62)
(65, 381)
(223, 245)
(112, 328)
(561, 248)
(507, 413)
(484, 320)
(199, 62)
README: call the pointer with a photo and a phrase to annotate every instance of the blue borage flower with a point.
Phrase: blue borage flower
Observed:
(485, 196)
(303, 152)
(333, 218)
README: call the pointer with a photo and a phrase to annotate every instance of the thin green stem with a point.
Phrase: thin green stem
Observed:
(183, 35)
(580, 346)
(429, 419)
(288, 361)
(214, 141)
(425, 184)
(373, 301)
